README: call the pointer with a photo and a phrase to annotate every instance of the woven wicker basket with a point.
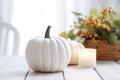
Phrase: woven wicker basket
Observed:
(104, 50)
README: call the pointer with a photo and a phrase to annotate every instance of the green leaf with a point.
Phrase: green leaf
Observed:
(76, 13)
(71, 35)
(112, 39)
(102, 33)
(80, 19)
(117, 22)
(118, 33)
(64, 34)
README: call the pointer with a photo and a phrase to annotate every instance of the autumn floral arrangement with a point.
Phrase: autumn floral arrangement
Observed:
(99, 25)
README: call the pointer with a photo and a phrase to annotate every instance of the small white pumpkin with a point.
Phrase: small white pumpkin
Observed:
(48, 54)
(75, 49)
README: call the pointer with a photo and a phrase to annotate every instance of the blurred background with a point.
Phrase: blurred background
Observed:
(31, 17)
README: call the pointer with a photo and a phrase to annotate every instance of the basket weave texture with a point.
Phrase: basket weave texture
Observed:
(104, 50)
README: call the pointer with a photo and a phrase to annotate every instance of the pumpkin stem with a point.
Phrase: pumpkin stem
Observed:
(47, 33)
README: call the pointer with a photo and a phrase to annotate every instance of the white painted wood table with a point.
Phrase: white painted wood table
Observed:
(16, 68)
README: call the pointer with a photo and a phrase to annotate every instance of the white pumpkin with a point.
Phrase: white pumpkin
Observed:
(48, 54)
(75, 49)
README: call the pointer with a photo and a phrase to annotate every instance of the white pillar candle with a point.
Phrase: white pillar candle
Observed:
(87, 58)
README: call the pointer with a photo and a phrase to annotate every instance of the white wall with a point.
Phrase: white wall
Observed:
(31, 17)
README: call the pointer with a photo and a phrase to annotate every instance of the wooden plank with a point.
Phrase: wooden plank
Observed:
(44, 76)
(109, 70)
(3, 59)
(14, 68)
(76, 73)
